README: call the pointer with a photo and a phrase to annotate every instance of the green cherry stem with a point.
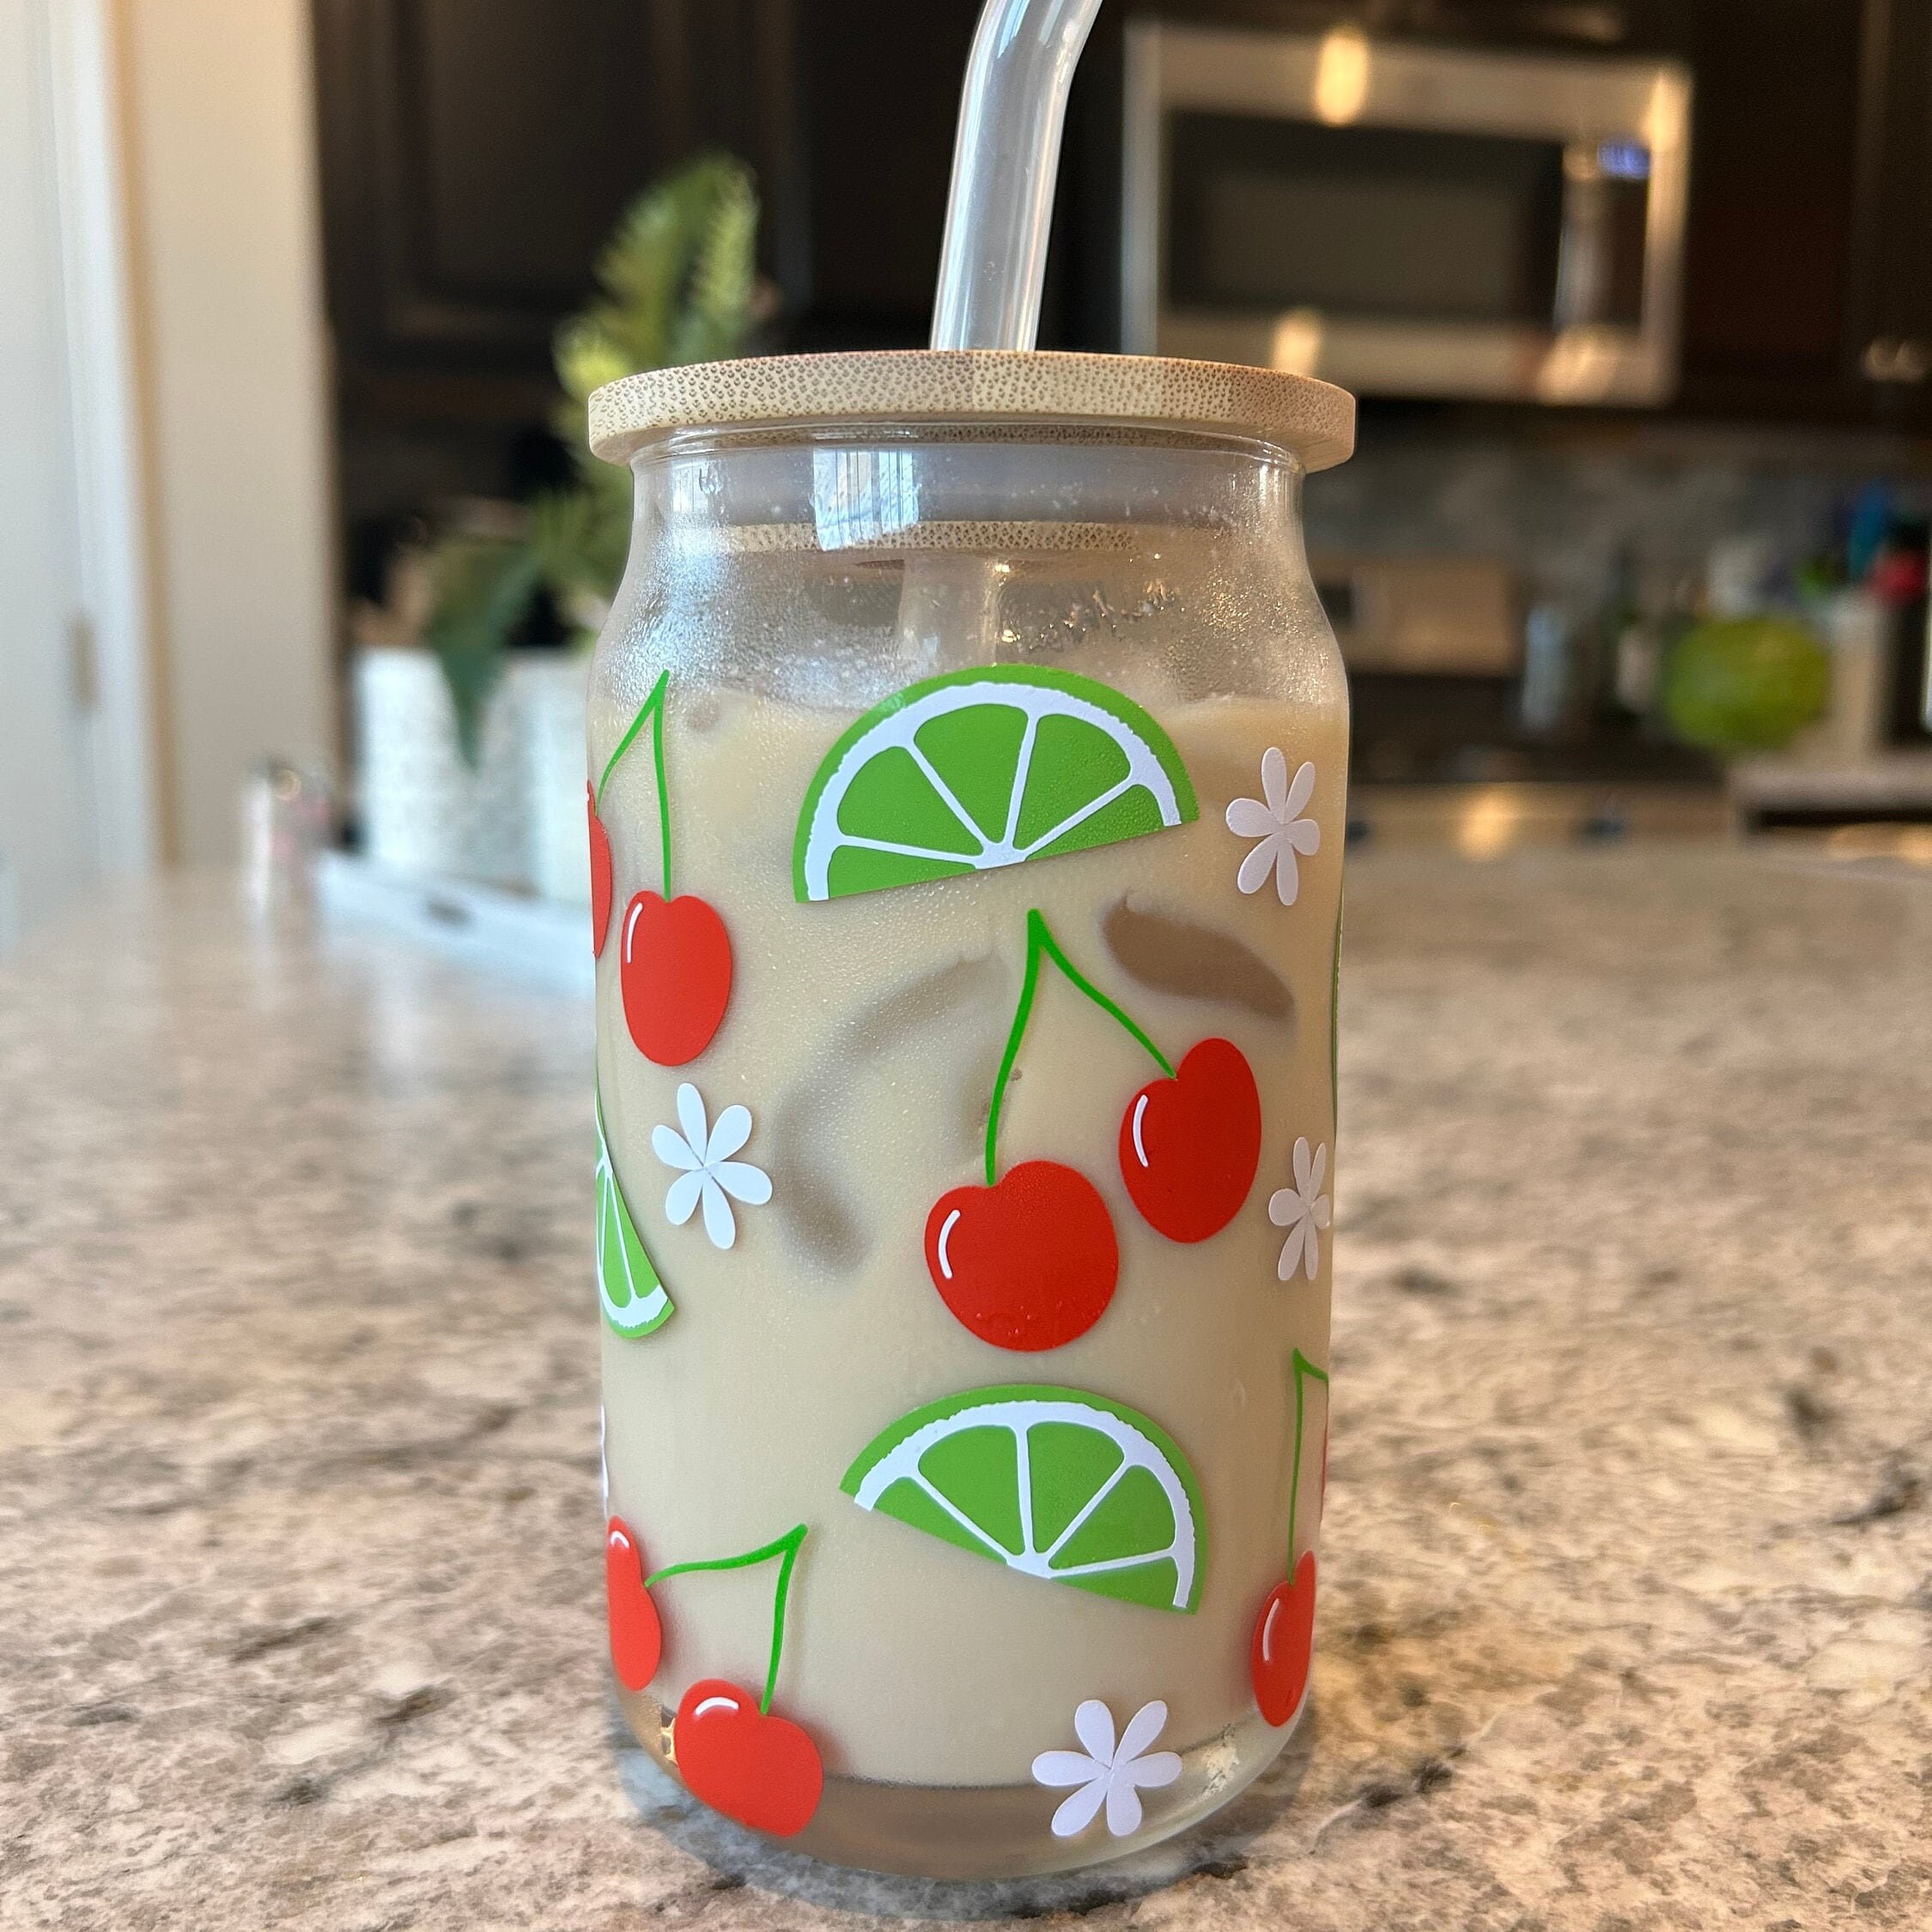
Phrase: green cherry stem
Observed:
(1334, 1026)
(652, 709)
(1041, 943)
(785, 1548)
(1303, 1368)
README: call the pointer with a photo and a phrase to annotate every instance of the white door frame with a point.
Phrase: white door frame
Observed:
(127, 732)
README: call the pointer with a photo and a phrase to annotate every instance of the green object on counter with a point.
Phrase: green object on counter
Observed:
(1744, 683)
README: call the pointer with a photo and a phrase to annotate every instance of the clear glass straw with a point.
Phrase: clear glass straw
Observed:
(1005, 162)
(992, 268)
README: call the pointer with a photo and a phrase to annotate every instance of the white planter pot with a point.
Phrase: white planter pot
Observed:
(556, 689)
(426, 813)
(517, 819)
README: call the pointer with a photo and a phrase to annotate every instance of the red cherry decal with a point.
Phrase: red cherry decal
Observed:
(1028, 1263)
(636, 1633)
(1284, 1642)
(600, 876)
(676, 976)
(764, 1771)
(1190, 1146)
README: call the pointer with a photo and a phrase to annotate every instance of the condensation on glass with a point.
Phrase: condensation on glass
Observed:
(968, 750)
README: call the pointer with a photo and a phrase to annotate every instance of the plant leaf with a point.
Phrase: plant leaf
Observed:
(678, 283)
(484, 589)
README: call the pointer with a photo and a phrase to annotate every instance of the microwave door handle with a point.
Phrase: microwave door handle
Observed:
(1583, 282)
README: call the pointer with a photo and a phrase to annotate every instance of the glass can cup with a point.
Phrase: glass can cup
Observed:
(967, 754)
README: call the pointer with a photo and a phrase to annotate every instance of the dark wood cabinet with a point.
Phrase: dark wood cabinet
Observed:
(1809, 276)
(475, 155)
(878, 96)
(1891, 275)
(477, 152)
(1773, 185)
(1607, 26)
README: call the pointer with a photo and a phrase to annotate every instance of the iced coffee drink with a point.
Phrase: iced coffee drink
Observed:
(968, 785)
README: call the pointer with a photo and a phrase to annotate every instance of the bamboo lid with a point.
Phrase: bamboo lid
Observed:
(1313, 421)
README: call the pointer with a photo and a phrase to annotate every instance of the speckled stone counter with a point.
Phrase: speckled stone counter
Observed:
(1627, 1575)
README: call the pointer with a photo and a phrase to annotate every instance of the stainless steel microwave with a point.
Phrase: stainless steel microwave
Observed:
(1406, 219)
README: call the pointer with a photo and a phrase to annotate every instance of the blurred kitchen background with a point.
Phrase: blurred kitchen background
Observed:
(298, 303)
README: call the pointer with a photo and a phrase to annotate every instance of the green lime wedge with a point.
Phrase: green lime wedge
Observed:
(980, 769)
(635, 1301)
(1049, 1482)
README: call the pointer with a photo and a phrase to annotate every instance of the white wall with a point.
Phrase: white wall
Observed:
(219, 132)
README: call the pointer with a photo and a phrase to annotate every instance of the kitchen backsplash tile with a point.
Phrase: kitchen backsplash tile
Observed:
(1559, 513)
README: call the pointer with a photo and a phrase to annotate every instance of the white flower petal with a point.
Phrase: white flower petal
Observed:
(1304, 835)
(1143, 1728)
(1291, 1252)
(673, 1150)
(1321, 1214)
(1286, 1207)
(1320, 1168)
(1312, 1250)
(1257, 866)
(1093, 1724)
(1304, 1172)
(1249, 819)
(733, 1131)
(1287, 875)
(751, 1185)
(1123, 1808)
(719, 1224)
(1062, 1768)
(690, 1117)
(1301, 791)
(1274, 782)
(681, 1202)
(1080, 1811)
(1157, 1768)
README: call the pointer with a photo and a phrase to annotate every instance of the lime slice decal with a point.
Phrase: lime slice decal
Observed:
(634, 1300)
(1049, 1482)
(984, 768)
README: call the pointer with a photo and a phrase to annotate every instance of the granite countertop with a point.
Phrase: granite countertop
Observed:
(1627, 1573)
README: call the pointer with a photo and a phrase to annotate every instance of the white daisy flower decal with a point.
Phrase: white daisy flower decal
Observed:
(1275, 819)
(706, 1171)
(1107, 1774)
(1303, 1210)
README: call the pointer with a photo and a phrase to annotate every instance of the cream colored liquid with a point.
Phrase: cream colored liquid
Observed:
(864, 1035)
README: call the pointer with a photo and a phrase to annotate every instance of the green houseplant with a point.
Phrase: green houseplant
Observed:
(677, 284)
